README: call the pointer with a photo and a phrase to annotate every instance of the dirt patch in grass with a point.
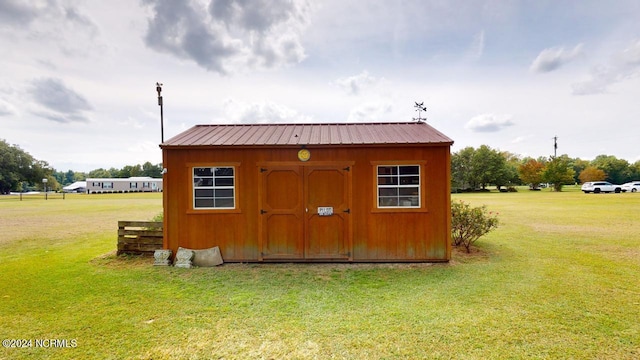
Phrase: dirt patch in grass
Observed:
(329, 266)
(112, 260)
(459, 256)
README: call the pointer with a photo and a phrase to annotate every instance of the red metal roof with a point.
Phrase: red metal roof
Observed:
(308, 134)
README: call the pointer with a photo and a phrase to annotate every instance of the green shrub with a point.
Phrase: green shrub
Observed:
(158, 217)
(469, 223)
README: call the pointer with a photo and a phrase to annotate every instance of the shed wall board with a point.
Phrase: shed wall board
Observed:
(375, 235)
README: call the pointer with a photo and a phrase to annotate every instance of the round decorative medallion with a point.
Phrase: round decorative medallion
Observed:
(304, 155)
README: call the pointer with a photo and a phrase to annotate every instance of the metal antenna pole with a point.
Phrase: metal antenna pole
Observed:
(159, 90)
(555, 146)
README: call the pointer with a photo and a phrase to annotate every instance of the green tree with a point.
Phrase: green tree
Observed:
(64, 178)
(558, 172)
(591, 173)
(510, 172)
(154, 171)
(69, 177)
(100, 173)
(634, 171)
(59, 176)
(617, 170)
(489, 167)
(52, 184)
(18, 167)
(130, 171)
(473, 169)
(578, 166)
(461, 166)
(531, 172)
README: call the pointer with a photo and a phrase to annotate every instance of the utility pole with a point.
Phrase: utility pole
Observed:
(555, 146)
(159, 90)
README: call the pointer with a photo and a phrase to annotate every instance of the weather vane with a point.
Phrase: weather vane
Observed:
(420, 108)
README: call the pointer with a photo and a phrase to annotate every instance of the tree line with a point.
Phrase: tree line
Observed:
(476, 169)
(19, 171)
(471, 169)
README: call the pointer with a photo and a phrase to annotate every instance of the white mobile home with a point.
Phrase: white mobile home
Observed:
(122, 185)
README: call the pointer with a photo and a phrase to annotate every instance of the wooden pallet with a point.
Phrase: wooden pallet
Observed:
(139, 237)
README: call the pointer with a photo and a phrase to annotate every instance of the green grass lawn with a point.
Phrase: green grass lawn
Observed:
(560, 278)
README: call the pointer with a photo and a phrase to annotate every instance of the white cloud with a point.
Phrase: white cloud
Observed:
(20, 12)
(6, 108)
(353, 85)
(261, 112)
(519, 139)
(631, 55)
(226, 36)
(142, 147)
(60, 118)
(131, 123)
(553, 58)
(598, 81)
(477, 46)
(623, 66)
(370, 111)
(489, 123)
(50, 23)
(62, 104)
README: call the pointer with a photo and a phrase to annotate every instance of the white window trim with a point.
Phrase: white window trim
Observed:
(214, 187)
(400, 186)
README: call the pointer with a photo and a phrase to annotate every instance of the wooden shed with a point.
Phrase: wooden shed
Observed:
(356, 192)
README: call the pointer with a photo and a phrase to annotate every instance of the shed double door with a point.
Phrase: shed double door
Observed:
(305, 212)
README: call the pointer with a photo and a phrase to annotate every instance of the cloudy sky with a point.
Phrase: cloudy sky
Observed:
(78, 77)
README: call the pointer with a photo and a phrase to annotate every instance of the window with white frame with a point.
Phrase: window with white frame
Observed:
(398, 186)
(107, 185)
(133, 185)
(214, 187)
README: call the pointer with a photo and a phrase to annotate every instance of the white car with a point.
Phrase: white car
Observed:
(631, 186)
(600, 186)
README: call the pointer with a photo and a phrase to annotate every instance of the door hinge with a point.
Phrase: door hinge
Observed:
(262, 170)
(263, 211)
(348, 211)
